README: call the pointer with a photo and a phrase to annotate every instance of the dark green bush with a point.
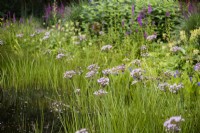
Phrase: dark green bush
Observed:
(164, 16)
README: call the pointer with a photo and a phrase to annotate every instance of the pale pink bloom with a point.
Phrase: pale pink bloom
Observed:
(173, 124)
(100, 92)
(151, 37)
(93, 67)
(59, 56)
(106, 47)
(69, 74)
(103, 81)
(90, 74)
(19, 35)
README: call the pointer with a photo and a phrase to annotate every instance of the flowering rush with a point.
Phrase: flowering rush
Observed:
(173, 124)
(106, 47)
(100, 92)
(151, 37)
(19, 35)
(90, 74)
(115, 70)
(136, 62)
(137, 74)
(163, 86)
(103, 81)
(197, 67)
(69, 74)
(93, 67)
(176, 49)
(106, 71)
(46, 36)
(59, 56)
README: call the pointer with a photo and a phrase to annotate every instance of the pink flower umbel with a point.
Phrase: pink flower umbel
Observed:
(173, 124)
(59, 56)
(151, 37)
(106, 47)
(69, 74)
(19, 35)
(100, 92)
(176, 49)
(90, 74)
(93, 67)
(137, 74)
(103, 81)
(197, 67)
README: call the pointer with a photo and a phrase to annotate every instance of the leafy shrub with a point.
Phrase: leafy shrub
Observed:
(165, 15)
(109, 13)
(122, 14)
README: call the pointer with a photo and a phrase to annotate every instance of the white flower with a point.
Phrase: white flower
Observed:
(45, 37)
(106, 48)
(20, 35)
(47, 33)
(82, 37)
(100, 92)
(1, 42)
(32, 35)
(151, 37)
(134, 82)
(83, 130)
(101, 33)
(77, 91)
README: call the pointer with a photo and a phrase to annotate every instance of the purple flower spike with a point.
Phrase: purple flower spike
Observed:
(145, 35)
(21, 20)
(139, 19)
(167, 14)
(190, 78)
(61, 10)
(198, 83)
(14, 18)
(149, 9)
(133, 9)
(190, 8)
(123, 23)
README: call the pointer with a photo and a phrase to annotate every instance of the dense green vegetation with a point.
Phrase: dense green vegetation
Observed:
(100, 67)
